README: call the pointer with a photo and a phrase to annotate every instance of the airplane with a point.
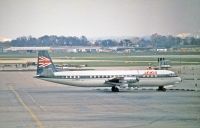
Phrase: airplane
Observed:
(115, 79)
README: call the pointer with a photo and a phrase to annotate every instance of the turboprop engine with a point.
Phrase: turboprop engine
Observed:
(127, 81)
(123, 82)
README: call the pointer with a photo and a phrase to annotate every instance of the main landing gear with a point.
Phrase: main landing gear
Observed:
(115, 89)
(161, 88)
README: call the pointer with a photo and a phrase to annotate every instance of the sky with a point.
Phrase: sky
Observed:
(98, 18)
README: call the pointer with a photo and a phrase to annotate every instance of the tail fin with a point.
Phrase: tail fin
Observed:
(45, 66)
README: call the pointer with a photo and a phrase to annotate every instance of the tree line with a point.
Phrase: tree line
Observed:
(153, 41)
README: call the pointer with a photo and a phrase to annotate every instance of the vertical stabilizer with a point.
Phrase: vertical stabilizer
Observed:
(45, 66)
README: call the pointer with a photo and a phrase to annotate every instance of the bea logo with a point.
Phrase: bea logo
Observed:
(151, 73)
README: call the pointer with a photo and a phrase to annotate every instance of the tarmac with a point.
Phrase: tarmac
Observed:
(27, 102)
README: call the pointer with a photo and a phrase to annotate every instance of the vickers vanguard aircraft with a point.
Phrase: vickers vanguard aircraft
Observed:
(115, 79)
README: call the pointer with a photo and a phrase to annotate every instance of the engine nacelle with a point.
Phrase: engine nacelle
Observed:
(129, 80)
(123, 82)
(123, 85)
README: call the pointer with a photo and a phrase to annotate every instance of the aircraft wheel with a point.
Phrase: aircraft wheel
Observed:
(161, 88)
(115, 89)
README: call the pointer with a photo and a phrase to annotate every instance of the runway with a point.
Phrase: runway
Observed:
(27, 102)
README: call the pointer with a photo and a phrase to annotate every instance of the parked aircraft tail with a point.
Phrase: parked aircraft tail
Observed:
(45, 66)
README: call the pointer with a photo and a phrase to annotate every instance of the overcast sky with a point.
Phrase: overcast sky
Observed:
(98, 18)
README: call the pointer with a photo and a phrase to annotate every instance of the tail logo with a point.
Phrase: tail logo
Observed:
(44, 62)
